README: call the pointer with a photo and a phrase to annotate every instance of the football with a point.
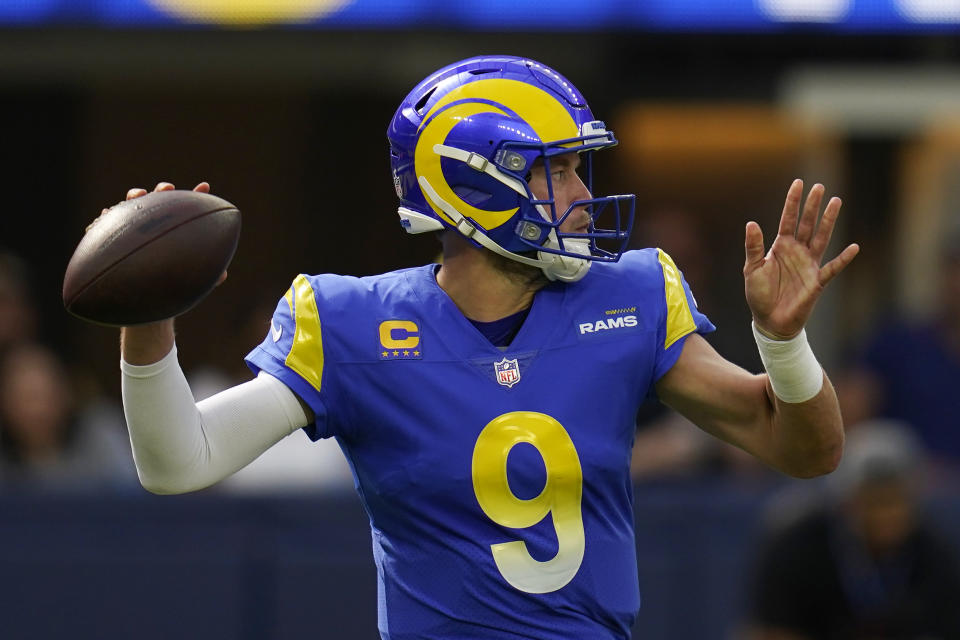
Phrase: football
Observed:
(151, 258)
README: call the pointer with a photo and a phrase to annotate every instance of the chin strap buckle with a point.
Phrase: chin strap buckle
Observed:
(477, 162)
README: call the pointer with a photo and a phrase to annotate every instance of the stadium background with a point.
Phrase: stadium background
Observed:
(282, 107)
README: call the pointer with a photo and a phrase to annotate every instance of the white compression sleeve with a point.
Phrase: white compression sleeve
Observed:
(181, 446)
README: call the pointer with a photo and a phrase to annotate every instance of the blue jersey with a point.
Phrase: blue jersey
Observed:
(496, 480)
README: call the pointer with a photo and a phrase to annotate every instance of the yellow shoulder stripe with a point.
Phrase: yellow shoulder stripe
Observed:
(679, 317)
(306, 353)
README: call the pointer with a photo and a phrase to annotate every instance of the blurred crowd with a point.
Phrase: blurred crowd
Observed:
(52, 438)
(860, 560)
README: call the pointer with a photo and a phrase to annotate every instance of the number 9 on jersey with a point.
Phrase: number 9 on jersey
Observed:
(561, 496)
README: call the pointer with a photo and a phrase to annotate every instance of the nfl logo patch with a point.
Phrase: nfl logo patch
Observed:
(508, 372)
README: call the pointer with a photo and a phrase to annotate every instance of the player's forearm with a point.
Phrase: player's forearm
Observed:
(180, 446)
(164, 424)
(146, 343)
(801, 439)
(806, 438)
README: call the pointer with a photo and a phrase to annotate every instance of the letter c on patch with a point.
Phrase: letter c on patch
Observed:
(399, 334)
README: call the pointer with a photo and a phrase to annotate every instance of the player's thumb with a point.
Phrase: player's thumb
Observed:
(753, 247)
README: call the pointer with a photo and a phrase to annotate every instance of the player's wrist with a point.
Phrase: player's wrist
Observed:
(151, 369)
(773, 335)
(794, 372)
(147, 343)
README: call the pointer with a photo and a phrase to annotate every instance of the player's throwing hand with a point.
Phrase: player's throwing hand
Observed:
(783, 285)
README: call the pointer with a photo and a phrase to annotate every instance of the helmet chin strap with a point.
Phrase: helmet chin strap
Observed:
(553, 265)
(566, 268)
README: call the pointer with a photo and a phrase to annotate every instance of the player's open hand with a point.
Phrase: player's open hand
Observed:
(783, 285)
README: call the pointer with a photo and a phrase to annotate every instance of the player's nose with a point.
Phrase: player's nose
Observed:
(582, 213)
(581, 190)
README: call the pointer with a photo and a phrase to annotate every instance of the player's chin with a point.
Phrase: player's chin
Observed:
(517, 271)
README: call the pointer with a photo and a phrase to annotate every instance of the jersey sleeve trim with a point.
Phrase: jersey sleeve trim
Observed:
(680, 320)
(306, 353)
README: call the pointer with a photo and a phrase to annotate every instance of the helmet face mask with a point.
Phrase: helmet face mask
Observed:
(463, 145)
(539, 223)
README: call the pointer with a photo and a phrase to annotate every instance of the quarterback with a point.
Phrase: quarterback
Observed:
(486, 404)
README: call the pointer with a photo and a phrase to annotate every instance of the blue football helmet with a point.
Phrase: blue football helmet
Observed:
(463, 142)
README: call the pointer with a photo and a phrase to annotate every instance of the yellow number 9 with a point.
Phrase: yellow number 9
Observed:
(561, 495)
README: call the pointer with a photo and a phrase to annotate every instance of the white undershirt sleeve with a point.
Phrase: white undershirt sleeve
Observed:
(179, 445)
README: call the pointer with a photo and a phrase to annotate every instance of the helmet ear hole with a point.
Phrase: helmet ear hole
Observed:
(421, 103)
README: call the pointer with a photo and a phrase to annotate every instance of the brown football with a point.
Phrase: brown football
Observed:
(151, 258)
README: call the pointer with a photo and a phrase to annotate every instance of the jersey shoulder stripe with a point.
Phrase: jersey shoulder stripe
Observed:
(306, 353)
(680, 320)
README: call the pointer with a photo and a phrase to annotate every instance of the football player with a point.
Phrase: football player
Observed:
(487, 404)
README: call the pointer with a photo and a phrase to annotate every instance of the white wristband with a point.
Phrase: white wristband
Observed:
(794, 372)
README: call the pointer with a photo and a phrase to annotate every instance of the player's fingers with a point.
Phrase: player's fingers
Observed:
(753, 247)
(136, 192)
(203, 187)
(164, 186)
(811, 210)
(791, 209)
(833, 268)
(103, 212)
(223, 276)
(825, 231)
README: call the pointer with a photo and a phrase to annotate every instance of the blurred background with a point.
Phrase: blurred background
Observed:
(282, 105)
